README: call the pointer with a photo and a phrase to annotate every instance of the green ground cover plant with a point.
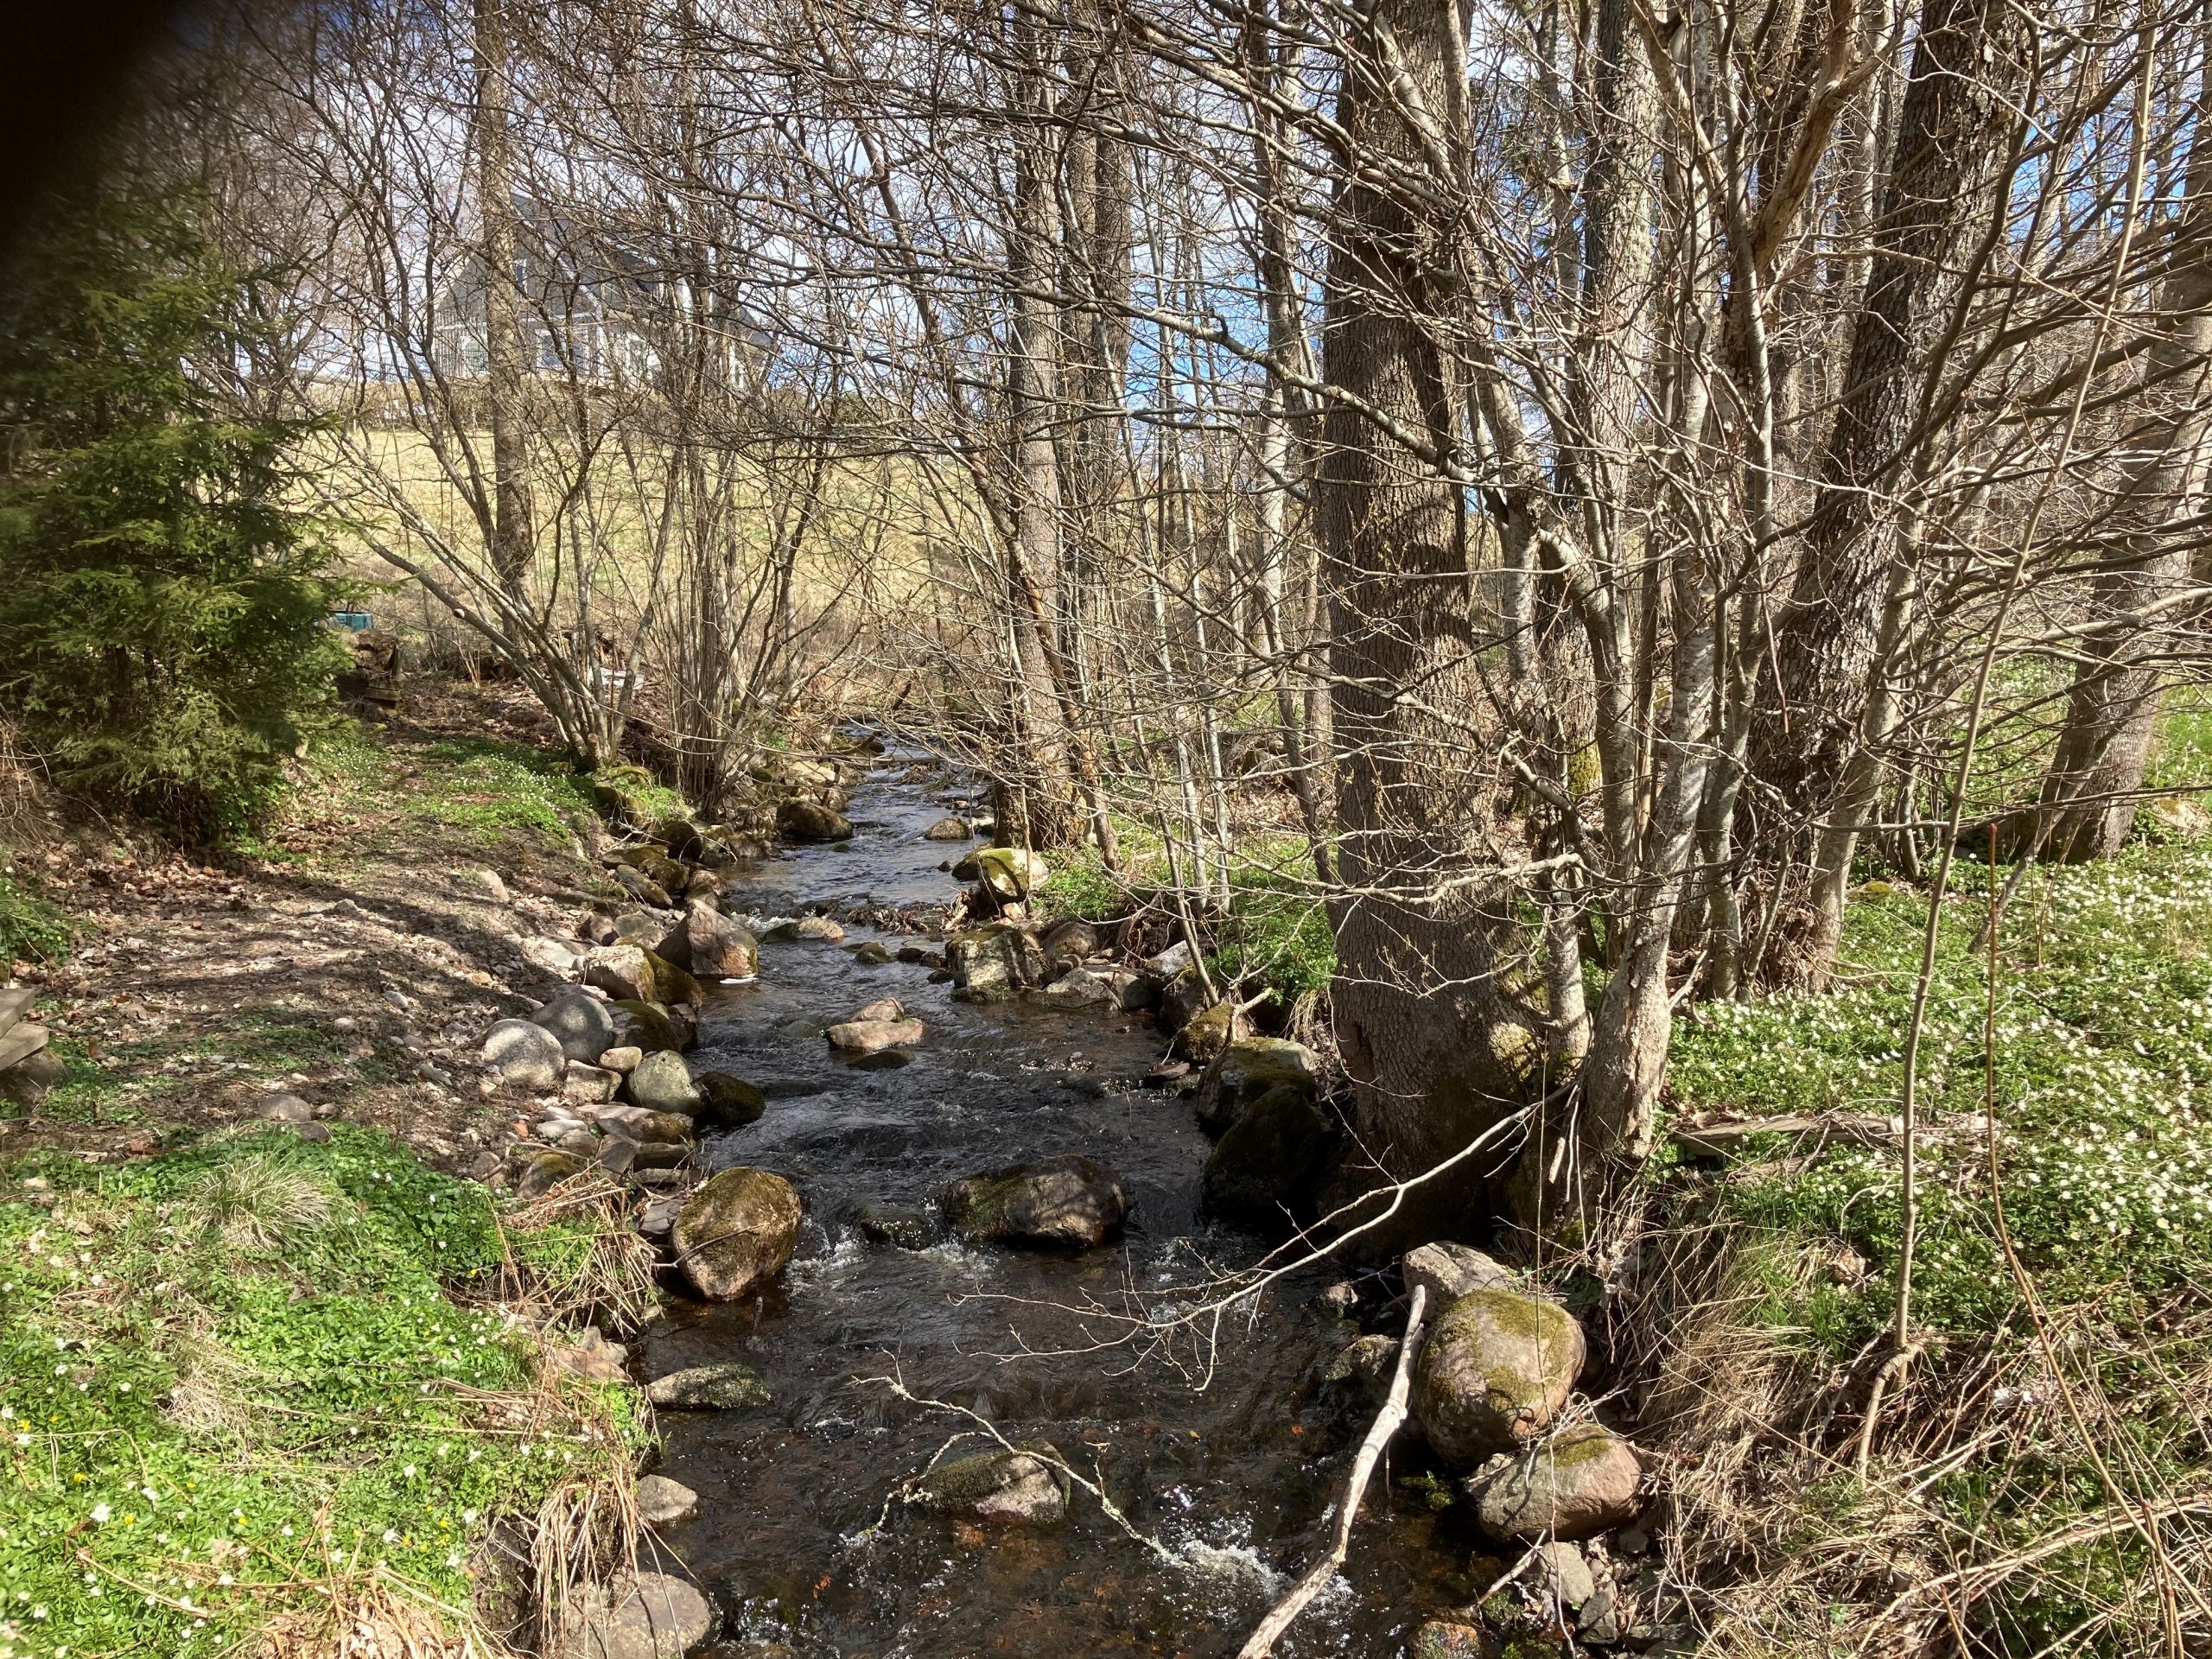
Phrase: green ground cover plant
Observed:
(235, 1376)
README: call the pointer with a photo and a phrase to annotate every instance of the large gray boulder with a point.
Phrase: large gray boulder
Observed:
(710, 944)
(1067, 1202)
(623, 971)
(1494, 1372)
(649, 1026)
(1581, 1482)
(737, 1232)
(1264, 1171)
(1244, 1070)
(583, 1024)
(1005, 1487)
(994, 962)
(662, 1083)
(522, 1055)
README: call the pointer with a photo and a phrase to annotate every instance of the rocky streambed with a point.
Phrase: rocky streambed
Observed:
(897, 1445)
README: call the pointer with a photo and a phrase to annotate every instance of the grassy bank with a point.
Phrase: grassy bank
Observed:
(2040, 1476)
(248, 1386)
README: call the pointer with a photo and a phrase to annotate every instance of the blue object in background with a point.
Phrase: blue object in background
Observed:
(352, 621)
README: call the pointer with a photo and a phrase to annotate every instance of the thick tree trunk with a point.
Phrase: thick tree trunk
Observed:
(1953, 131)
(2090, 795)
(1438, 1048)
(508, 532)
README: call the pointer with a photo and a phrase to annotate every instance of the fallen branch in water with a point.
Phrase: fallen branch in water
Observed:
(1387, 1422)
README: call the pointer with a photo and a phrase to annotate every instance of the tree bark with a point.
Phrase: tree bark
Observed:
(511, 545)
(1437, 1047)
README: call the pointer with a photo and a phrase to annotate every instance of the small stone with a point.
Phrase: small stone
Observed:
(813, 930)
(555, 956)
(591, 1356)
(577, 1140)
(657, 1219)
(810, 820)
(641, 1123)
(1449, 1271)
(623, 971)
(867, 1036)
(905, 1227)
(948, 829)
(1340, 1299)
(665, 1502)
(723, 1387)
(286, 1108)
(487, 883)
(588, 1084)
(523, 1055)
(624, 1059)
(316, 1132)
(1564, 1575)
(871, 955)
(1601, 1621)
(652, 1617)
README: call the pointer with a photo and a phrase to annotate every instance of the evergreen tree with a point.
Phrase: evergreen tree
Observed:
(163, 597)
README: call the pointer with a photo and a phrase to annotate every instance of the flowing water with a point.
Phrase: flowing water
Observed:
(1231, 1466)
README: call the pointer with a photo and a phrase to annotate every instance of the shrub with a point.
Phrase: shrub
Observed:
(162, 628)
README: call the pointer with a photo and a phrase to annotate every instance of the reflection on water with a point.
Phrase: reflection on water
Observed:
(1236, 1476)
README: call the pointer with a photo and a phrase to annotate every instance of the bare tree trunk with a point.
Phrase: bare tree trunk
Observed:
(2095, 779)
(511, 537)
(1436, 1046)
(1954, 129)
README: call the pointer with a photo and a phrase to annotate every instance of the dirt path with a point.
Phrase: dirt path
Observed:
(353, 958)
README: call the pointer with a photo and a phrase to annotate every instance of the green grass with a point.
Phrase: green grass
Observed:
(2104, 1056)
(31, 929)
(133, 1080)
(364, 791)
(234, 1371)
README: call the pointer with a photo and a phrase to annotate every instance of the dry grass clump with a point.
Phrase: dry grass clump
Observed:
(2035, 1491)
(368, 1614)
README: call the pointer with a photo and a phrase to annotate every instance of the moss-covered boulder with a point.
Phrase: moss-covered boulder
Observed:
(1264, 1171)
(662, 1083)
(671, 984)
(1011, 873)
(623, 971)
(1005, 1487)
(1493, 1373)
(646, 1026)
(727, 1102)
(1209, 1034)
(1581, 1482)
(1246, 1069)
(1067, 1202)
(737, 1232)
(994, 962)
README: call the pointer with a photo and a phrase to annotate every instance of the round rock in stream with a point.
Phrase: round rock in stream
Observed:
(1010, 1488)
(1068, 1202)
(662, 1083)
(867, 1036)
(737, 1232)
(1494, 1372)
(1580, 1483)
(727, 1102)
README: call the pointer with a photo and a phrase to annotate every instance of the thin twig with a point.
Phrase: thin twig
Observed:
(1387, 1422)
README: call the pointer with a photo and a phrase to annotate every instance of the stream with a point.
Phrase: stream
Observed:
(1236, 1476)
